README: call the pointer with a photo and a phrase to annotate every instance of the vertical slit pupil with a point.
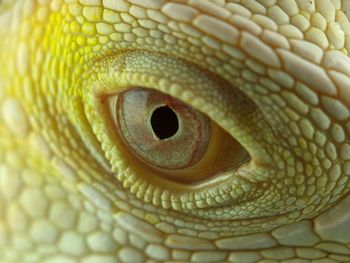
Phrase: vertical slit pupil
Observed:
(164, 122)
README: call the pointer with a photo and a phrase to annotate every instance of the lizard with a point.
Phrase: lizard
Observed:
(267, 79)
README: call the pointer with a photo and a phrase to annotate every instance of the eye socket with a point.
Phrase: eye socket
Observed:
(168, 138)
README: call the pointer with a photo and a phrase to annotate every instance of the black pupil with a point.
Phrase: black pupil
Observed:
(164, 122)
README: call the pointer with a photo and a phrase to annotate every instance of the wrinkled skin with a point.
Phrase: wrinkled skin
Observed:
(274, 75)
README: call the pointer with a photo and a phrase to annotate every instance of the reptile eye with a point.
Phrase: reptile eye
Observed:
(170, 137)
(161, 130)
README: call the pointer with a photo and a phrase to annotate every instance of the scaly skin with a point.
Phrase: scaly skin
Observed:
(279, 84)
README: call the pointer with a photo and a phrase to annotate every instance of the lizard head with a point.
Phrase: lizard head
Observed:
(174, 130)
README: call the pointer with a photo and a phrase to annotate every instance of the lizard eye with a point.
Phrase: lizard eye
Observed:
(170, 137)
(177, 139)
(161, 130)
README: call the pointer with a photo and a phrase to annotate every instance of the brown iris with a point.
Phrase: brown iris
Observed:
(161, 130)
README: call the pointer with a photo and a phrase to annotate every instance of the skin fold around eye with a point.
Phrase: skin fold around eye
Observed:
(220, 167)
(231, 148)
(187, 154)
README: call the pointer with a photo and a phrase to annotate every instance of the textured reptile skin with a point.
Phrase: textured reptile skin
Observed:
(274, 75)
